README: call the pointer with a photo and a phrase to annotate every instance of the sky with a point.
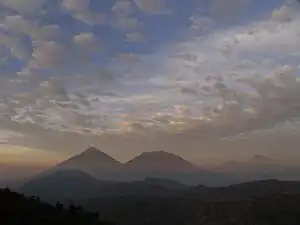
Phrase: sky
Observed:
(210, 80)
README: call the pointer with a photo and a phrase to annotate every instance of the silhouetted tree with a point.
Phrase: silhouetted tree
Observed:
(16, 209)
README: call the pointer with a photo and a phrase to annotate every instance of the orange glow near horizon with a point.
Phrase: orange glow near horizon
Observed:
(22, 156)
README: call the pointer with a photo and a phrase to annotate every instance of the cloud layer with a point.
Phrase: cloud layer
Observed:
(106, 71)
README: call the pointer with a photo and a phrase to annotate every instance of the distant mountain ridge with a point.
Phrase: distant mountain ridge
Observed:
(164, 165)
(77, 185)
(69, 184)
(150, 164)
(92, 161)
(92, 156)
(93, 173)
(160, 161)
(261, 167)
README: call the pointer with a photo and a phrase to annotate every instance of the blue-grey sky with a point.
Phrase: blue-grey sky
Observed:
(121, 74)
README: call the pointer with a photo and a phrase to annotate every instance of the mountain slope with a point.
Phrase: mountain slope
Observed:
(93, 162)
(163, 165)
(160, 162)
(62, 185)
(248, 190)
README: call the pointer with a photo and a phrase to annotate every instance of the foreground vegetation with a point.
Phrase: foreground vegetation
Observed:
(270, 210)
(147, 203)
(16, 209)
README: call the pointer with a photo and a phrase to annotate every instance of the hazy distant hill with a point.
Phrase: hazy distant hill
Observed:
(78, 185)
(261, 167)
(247, 166)
(247, 190)
(62, 185)
(69, 186)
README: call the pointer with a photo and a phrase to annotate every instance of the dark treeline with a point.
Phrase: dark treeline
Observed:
(16, 209)
(258, 203)
(279, 209)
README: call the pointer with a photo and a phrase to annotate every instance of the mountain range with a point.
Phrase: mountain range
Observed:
(164, 165)
(93, 173)
(262, 167)
(76, 186)
(149, 164)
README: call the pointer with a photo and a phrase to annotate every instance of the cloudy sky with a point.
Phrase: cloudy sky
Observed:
(210, 80)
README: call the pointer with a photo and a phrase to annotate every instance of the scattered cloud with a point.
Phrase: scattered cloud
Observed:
(86, 42)
(123, 8)
(130, 57)
(49, 32)
(128, 23)
(18, 25)
(284, 14)
(49, 55)
(80, 10)
(24, 7)
(16, 47)
(228, 8)
(153, 6)
(135, 37)
(212, 84)
(202, 24)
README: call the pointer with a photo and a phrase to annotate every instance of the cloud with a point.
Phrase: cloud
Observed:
(274, 101)
(49, 32)
(123, 8)
(86, 42)
(24, 7)
(128, 57)
(42, 50)
(123, 16)
(6, 134)
(202, 24)
(54, 89)
(16, 47)
(193, 69)
(283, 14)
(135, 37)
(153, 6)
(228, 8)
(127, 23)
(203, 69)
(17, 24)
(188, 93)
(80, 10)
(49, 55)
